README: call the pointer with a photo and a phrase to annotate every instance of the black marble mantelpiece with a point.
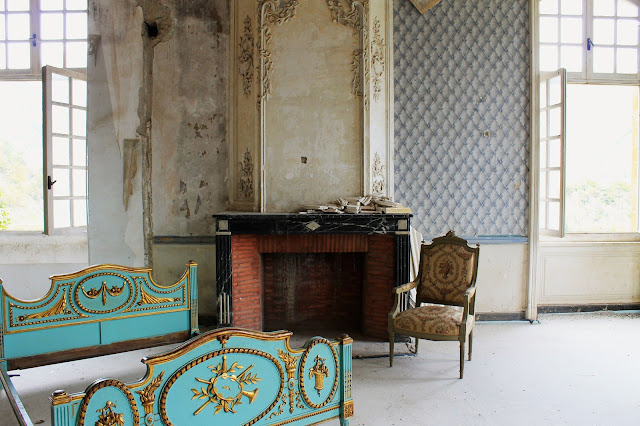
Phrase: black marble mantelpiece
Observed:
(314, 223)
(229, 224)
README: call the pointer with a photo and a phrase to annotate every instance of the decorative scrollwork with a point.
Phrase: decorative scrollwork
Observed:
(148, 299)
(84, 404)
(348, 409)
(356, 69)
(58, 309)
(148, 397)
(93, 293)
(108, 417)
(245, 175)
(270, 12)
(246, 57)
(319, 371)
(377, 178)
(377, 59)
(350, 18)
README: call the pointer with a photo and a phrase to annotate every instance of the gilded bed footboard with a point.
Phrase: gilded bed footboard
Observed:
(225, 377)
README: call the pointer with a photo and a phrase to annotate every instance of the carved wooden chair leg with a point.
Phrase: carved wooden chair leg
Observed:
(461, 359)
(417, 340)
(470, 344)
(391, 339)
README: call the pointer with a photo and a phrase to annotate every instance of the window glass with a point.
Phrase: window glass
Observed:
(18, 26)
(571, 7)
(627, 8)
(18, 5)
(19, 57)
(76, 56)
(51, 4)
(52, 26)
(53, 54)
(602, 158)
(604, 7)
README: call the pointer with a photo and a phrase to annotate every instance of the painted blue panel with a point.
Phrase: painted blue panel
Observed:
(53, 339)
(144, 326)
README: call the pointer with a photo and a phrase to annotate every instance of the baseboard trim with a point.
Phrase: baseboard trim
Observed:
(564, 309)
(501, 316)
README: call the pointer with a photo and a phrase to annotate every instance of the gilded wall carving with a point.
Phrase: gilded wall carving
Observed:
(245, 60)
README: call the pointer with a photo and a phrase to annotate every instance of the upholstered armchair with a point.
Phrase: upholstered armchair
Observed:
(446, 283)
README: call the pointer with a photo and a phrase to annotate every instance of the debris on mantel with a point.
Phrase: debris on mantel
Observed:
(359, 205)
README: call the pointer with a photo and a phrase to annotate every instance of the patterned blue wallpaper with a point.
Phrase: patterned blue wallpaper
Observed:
(461, 75)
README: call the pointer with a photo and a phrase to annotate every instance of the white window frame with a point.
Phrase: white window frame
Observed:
(36, 72)
(586, 77)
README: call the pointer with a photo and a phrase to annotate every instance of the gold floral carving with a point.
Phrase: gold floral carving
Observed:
(223, 339)
(226, 389)
(377, 59)
(245, 178)
(290, 363)
(319, 371)
(148, 397)
(58, 309)
(246, 57)
(270, 12)
(84, 404)
(378, 180)
(108, 417)
(148, 299)
(348, 409)
(303, 361)
(93, 293)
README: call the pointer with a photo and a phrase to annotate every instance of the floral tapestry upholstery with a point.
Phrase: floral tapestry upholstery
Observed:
(431, 319)
(446, 273)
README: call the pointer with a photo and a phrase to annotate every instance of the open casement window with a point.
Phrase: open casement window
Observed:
(65, 150)
(552, 151)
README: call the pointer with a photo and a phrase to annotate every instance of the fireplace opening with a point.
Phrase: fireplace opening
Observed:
(313, 291)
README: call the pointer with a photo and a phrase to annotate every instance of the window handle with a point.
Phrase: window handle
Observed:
(33, 40)
(50, 182)
(590, 43)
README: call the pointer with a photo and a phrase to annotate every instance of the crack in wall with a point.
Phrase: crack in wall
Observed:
(157, 27)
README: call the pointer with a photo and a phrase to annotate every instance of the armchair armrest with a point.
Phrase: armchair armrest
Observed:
(469, 304)
(397, 291)
(405, 287)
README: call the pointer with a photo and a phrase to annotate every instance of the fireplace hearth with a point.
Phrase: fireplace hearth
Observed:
(310, 271)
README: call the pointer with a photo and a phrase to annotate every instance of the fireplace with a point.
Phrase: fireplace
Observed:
(310, 271)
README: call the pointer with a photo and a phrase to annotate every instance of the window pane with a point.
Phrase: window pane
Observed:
(18, 5)
(59, 88)
(60, 151)
(62, 186)
(543, 156)
(548, 6)
(1, 5)
(548, 58)
(571, 7)
(3, 57)
(553, 220)
(52, 53)
(603, 31)
(627, 61)
(571, 30)
(543, 94)
(51, 26)
(19, 56)
(79, 90)
(555, 121)
(79, 213)
(603, 60)
(543, 185)
(79, 152)
(627, 8)
(21, 153)
(604, 7)
(549, 29)
(60, 119)
(554, 184)
(554, 153)
(572, 58)
(79, 122)
(76, 4)
(61, 213)
(77, 26)
(602, 158)
(555, 90)
(18, 26)
(2, 28)
(79, 183)
(76, 55)
(627, 32)
(51, 4)
(543, 125)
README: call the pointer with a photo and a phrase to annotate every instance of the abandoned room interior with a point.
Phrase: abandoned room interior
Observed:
(299, 152)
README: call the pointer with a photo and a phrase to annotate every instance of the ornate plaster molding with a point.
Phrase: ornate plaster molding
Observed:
(245, 175)
(270, 12)
(377, 59)
(377, 175)
(245, 59)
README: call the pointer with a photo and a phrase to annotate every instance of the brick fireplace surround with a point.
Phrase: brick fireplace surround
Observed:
(311, 271)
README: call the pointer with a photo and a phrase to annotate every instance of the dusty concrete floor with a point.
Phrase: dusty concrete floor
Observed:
(569, 369)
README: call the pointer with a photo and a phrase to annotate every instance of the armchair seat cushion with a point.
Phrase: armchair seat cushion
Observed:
(431, 319)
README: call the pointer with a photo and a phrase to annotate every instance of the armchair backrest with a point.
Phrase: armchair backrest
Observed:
(448, 267)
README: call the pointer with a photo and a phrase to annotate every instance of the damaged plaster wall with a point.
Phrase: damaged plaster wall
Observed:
(159, 79)
(114, 74)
